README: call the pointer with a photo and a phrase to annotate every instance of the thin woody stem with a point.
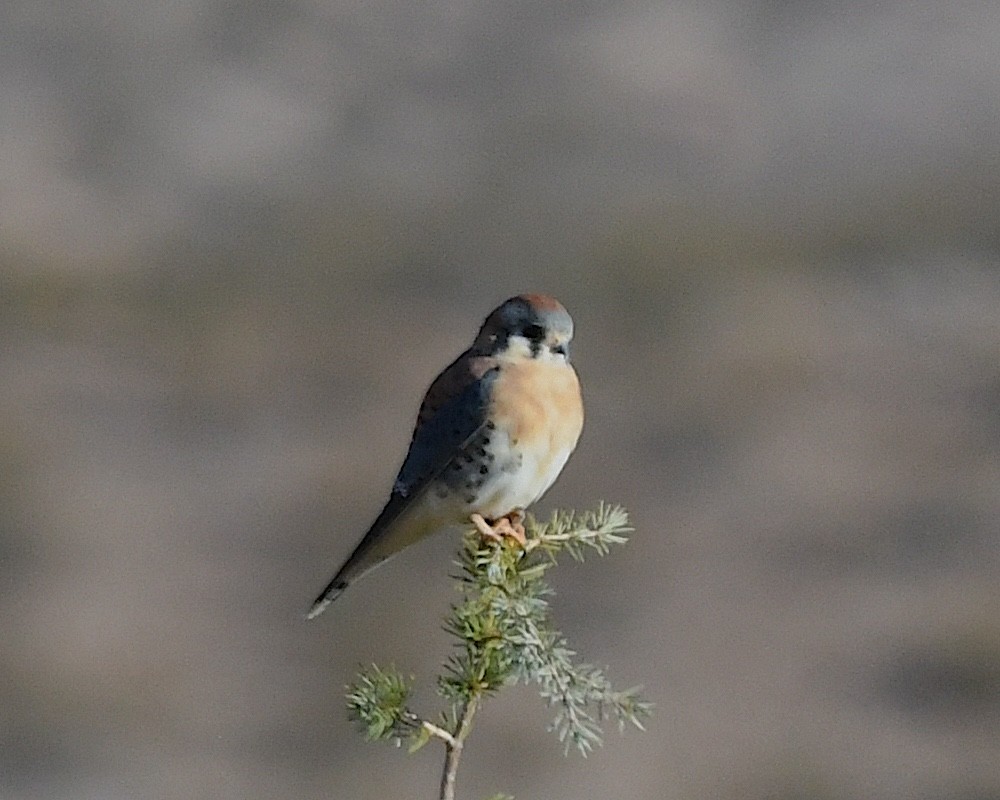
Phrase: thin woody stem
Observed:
(454, 744)
(439, 733)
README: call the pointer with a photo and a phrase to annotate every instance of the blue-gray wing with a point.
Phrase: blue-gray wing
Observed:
(453, 412)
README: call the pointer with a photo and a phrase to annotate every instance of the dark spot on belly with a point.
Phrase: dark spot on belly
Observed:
(484, 470)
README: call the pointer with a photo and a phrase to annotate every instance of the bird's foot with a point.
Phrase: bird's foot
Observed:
(516, 519)
(505, 526)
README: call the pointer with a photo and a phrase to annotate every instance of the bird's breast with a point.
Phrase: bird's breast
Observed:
(537, 414)
(538, 402)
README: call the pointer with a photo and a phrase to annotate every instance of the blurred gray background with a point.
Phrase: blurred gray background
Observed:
(238, 240)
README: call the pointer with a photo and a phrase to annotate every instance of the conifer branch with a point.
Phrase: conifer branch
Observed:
(503, 633)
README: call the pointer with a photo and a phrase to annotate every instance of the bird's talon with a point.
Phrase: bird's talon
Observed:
(484, 528)
(513, 529)
(501, 528)
(518, 533)
(517, 528)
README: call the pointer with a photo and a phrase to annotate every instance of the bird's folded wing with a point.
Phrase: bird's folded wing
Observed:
(454, 410)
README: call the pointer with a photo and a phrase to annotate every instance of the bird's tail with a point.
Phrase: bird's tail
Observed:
(390, 533)
(364, 558)
(332, 591)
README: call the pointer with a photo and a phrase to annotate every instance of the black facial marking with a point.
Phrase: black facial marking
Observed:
(535, 333)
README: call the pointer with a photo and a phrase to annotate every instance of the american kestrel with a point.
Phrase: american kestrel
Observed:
(494, 431)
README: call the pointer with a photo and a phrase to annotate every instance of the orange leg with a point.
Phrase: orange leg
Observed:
(516, 518)
(504, 526)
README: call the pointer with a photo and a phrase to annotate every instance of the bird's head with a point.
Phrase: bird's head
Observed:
(529, 326)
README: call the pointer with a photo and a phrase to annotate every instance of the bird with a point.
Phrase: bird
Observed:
(494, 431)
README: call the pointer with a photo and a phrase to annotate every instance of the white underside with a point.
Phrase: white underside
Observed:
(519, 488)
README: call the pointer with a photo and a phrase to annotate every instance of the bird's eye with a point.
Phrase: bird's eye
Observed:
(534, 332)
